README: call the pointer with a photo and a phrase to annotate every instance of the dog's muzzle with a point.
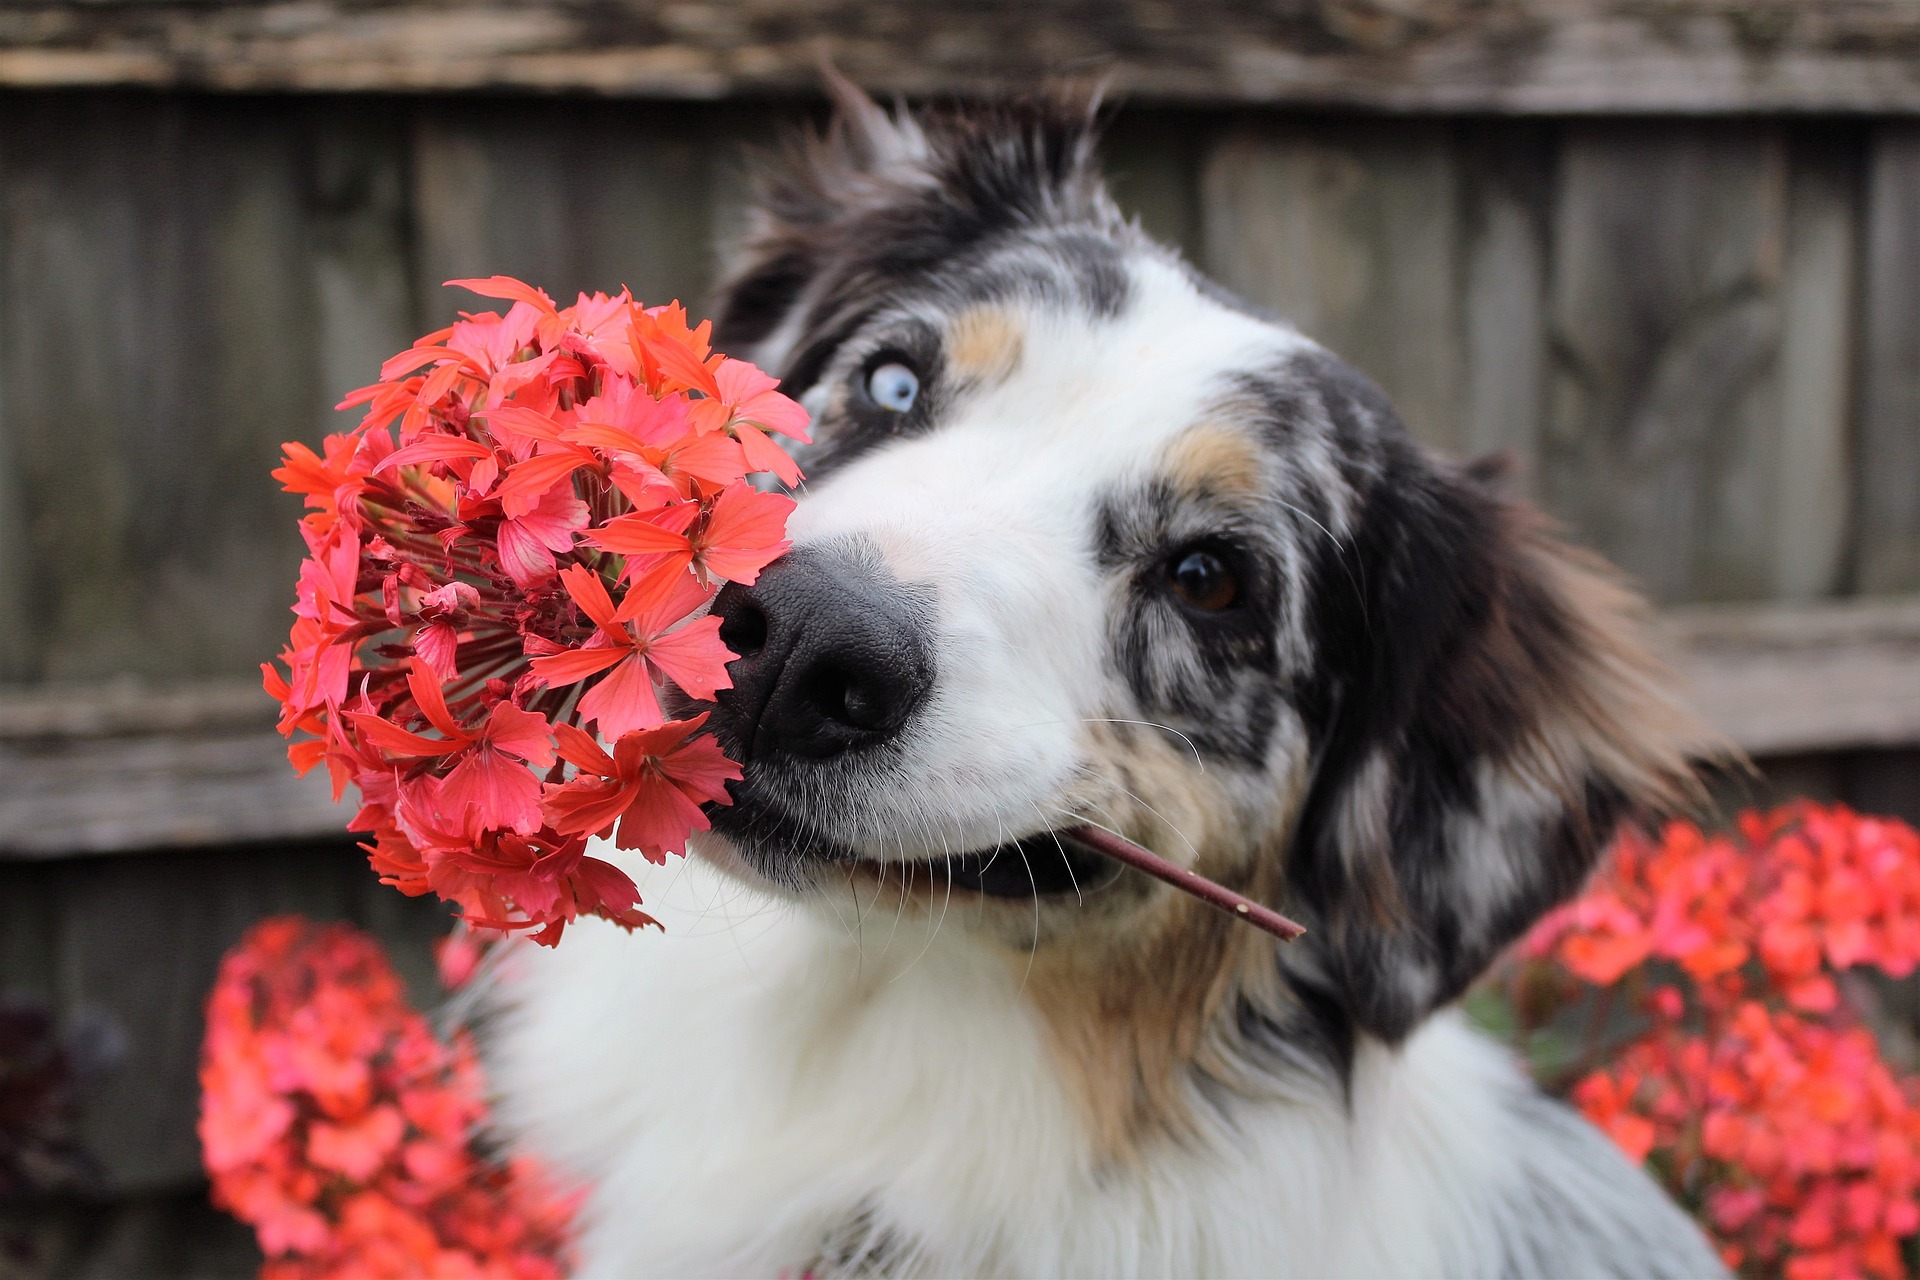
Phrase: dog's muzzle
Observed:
(833, 660)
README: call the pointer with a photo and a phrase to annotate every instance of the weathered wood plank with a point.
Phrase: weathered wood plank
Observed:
(137, 941)
(1812, 484)
(183, 290)
(571, 196)
(1665, 314)
(1351, 232)
(1506, 170)
(1782, 679)
(155, 791)
(1499, 55)
(118, 766)
(1887, 532)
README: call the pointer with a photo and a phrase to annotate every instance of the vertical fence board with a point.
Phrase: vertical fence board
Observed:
(138, 939)
(1505, 170)
(1350, 232)
(175, 305)
(359, 223)
(568, 196)
(1887, 534)
(1153, 166)
(1665, 314)
(1811, 482)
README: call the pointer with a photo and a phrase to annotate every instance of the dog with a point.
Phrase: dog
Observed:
(1085, 539)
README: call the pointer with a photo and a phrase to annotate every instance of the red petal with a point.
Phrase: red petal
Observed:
(763, 454)
(434, 448)
(746, 531)
(524, 557)
(576, 665)
(425, 687)
(526, 482)
(577, 748)
(379, 733)
(505, 287)
(635, 535)
(518, 420)
(584, 585)
(658, 821)
(520, 732)
(604, 888)
(623, 701)
(694, 658)
(503, 792)
(437, 643)
(586, 804)
(701, 769)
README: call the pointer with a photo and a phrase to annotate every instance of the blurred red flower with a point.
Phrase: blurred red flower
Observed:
(337, 1125)
(1751, 1085)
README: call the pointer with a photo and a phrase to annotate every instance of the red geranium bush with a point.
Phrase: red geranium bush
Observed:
(335, 1123)
(1722, 985)
(518, 544)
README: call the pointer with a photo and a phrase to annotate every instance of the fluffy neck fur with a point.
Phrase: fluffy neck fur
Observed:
(764, 1091)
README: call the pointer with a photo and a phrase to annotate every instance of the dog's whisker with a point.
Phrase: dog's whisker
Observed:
(1198, 760)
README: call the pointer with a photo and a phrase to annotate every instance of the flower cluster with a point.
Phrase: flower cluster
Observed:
(530, 554)
(335, 1123)
(1749, 1080)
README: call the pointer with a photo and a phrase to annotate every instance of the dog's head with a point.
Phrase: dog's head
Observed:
(1084, 540)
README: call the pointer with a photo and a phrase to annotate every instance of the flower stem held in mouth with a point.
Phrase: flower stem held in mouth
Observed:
(1214, 895)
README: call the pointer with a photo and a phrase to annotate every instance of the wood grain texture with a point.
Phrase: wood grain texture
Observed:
(1781, 679)
(1352, 233)
(137, 941)
(1664, 313)
(575, 195)
(1453, 55)
(1887, 531)
(1812, 490)
(187, 283)
(1506, 181)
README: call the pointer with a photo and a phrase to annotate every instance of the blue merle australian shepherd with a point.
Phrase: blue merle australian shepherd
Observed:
(1086, 540)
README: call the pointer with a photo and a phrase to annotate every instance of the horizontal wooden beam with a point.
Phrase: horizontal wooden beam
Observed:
(1787, 680)
(1553, 56)
(125, 768)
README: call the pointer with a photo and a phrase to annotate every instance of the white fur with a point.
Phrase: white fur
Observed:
(736, 1089)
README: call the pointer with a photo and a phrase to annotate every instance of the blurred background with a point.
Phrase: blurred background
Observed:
(1665, 252)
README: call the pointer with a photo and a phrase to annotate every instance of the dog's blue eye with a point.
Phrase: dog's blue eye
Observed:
(893, 386)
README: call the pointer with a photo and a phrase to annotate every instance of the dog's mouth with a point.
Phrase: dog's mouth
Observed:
(1041, 865)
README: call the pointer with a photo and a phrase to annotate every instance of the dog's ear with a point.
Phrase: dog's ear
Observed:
(866, 157)
(842, 218)
(1487, 713)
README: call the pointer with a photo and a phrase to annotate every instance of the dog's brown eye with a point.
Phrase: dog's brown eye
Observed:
(1203, 581)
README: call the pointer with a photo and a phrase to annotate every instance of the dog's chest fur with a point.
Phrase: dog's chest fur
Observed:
(761, 1093)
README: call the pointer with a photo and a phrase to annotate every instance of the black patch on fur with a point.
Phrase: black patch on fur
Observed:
(1408, 693)
(1215, 677)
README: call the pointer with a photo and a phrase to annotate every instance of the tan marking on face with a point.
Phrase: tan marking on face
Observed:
(1139, 998)
(1215, 459)
(983, 344)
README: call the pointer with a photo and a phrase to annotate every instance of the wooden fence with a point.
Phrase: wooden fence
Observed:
(1675, 269)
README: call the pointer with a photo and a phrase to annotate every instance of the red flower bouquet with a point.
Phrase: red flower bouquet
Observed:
(530, 555)
(1723, 984)
(335, 1123)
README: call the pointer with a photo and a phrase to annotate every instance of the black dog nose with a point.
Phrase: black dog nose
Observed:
(833, 658)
